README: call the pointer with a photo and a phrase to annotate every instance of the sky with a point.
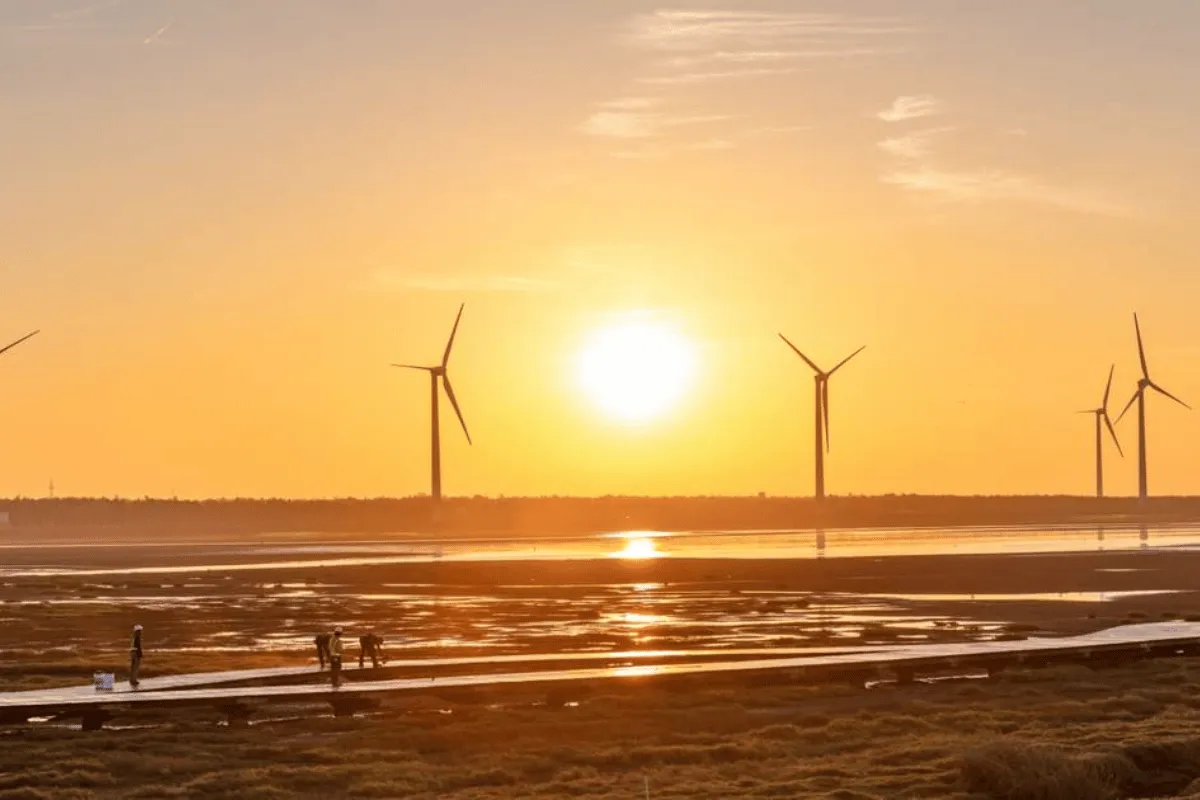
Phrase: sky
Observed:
(229, 217)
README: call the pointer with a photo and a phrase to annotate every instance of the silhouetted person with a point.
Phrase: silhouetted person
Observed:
(370, 645)
(322, 643)
(335, 657)
(135, 656)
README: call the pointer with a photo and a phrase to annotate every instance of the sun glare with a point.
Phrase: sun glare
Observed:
(639, 548)
(637, 370)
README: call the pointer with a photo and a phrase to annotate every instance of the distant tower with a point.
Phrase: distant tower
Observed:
(52, 487)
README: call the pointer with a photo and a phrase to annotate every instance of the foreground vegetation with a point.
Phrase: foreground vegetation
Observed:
(1070, 733)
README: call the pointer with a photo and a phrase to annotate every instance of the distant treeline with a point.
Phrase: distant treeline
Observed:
(567, 515)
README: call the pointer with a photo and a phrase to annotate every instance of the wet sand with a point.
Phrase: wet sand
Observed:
(66, 611)
(64, 626)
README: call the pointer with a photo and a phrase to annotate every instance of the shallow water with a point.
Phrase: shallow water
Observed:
(1071, 597)
(784, 544)
(227, 607)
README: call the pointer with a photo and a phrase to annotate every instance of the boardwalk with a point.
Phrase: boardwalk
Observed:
(904, 662)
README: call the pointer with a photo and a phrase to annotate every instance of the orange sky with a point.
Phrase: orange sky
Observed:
(229, 228)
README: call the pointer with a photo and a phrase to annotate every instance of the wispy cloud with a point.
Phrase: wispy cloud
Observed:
(914, 145)
(999, 185)
(914, 168)
(655, 150)
(463, 283)
(705, 77)
(910, 107)
(641, 124)
(697, 47)
(689, 30)
(769, 56)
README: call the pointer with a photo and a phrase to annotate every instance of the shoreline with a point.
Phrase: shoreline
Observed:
(492, 518)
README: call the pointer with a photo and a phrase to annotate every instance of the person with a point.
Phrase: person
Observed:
(322, 643)
(335, 657)
(370, 645)
(135, 656)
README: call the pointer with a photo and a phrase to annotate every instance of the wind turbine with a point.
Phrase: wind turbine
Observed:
(1101, 415)
(821, 409)
(438, 374)
(1139, 396)
(24, 338)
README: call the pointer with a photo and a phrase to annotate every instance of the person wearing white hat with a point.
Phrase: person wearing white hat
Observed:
(335, 657)
(135, 656)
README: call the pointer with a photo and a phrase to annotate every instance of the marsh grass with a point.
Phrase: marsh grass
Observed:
(1064, 732)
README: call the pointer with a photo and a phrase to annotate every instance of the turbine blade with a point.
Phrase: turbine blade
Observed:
(1113, 432)
(825, 410)
(454, 402)
(413, 366)
(25, 338)
(453, 332)
(807, 360)
(1141, 349)
(842, 363)
(1108, 387)
(1163, 391)
(1129, 405)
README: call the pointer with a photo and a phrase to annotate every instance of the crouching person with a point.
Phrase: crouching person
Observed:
(371, 646)
(322, 642)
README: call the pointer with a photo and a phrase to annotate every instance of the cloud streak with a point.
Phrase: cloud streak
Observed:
(908, 107)
(706, 77)
(913, 169)
(697, 47)
(639, 124)
(1000, 185)
(692, 30)
(914, 145)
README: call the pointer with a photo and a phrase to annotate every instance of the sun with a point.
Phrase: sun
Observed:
(637, 369)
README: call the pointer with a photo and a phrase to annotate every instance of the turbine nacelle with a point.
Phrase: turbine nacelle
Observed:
(821, 379)
(1139, 397)
(1101, 414)
(440, 377)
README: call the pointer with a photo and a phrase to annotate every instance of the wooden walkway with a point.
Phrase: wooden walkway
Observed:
(904, 662)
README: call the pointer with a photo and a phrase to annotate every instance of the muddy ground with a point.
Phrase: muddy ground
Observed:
(1066, 732)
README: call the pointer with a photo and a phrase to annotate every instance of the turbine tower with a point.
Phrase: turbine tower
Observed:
(438, 374)
(1101, 415)
(821, 410)
(1139, 396)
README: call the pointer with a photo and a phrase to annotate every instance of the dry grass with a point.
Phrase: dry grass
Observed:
(1059, 733)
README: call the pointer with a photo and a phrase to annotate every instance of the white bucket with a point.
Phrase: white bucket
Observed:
(103, 681)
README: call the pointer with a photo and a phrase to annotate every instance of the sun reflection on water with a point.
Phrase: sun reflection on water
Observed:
(639, 548)
(630, 672)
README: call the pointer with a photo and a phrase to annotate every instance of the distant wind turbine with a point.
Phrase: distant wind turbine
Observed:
(1139, 396)
(24, 338)
(821, 409)
(1101, 415)
(436, 373)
